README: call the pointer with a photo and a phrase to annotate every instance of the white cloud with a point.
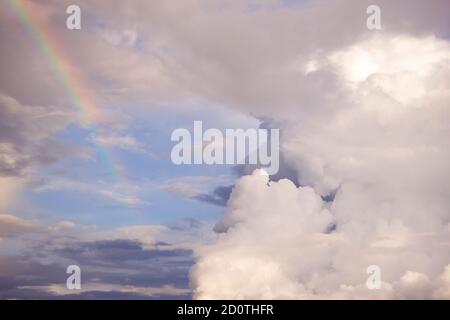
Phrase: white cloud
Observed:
(123, 192)
(125, 37)
(125, 142)
(58, 289)
(379, 139)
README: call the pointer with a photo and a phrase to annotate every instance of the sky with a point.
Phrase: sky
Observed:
(86, 176)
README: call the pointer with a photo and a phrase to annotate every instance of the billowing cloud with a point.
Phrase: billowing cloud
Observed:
(276, 243)
(377, 138)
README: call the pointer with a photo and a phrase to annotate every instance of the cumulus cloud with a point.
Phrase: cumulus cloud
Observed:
(276, 243)
(375, 134)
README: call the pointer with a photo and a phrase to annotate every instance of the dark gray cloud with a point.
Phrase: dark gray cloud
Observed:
(19, 271)
(116, 263)
(219, 196)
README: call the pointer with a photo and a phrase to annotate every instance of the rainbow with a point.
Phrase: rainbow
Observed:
(70, 78)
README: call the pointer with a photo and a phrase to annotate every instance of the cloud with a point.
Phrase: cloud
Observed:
(275, 237)
(146, 235)
(363, 117)
(10, 187)
(25, 135)
(124, 142)
(110, 252)
(197, 188)
(132, 277)
(219, 196)
(129, 262)
(124, 291)
(373, 135)
(127, 37)
(149, 52)
(181, 188)
(125, 193)
(11, 225)
(123, 197)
